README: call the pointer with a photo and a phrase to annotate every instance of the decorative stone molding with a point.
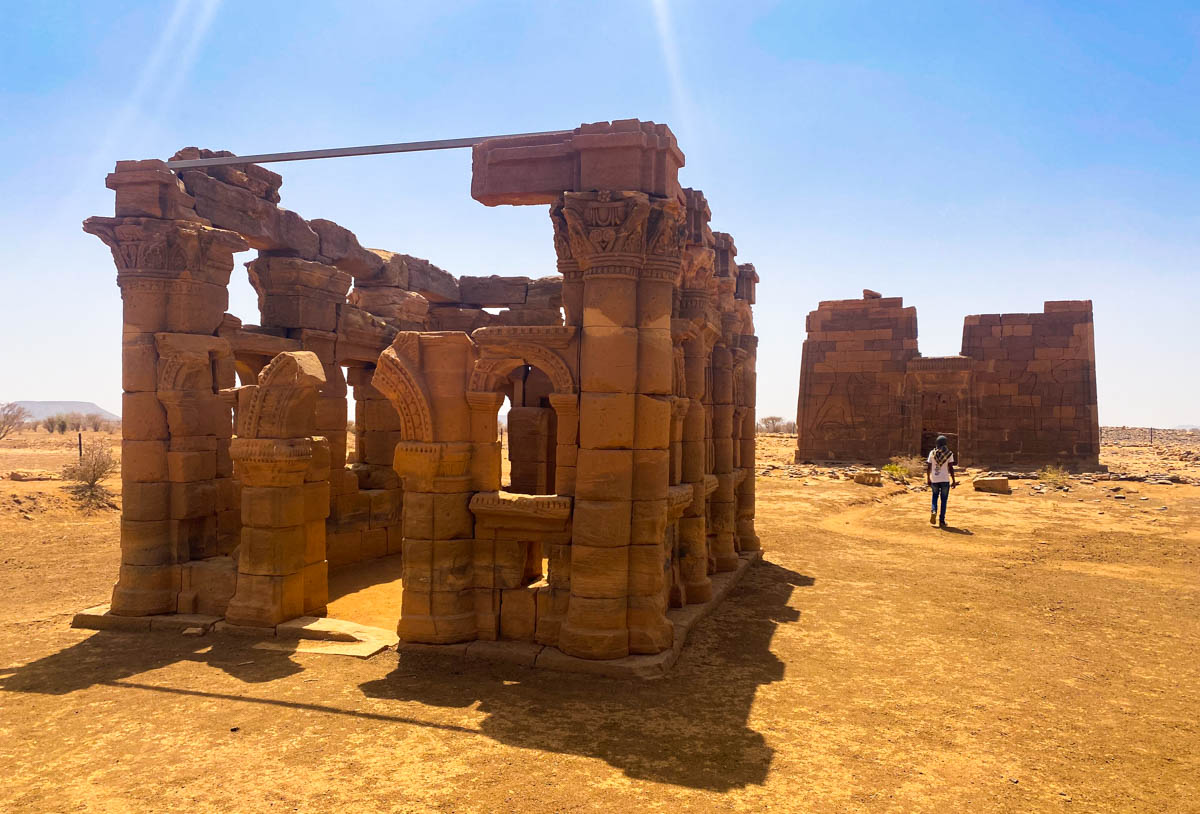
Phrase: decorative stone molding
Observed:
(397, 379)
(181, 249)
(281, 405)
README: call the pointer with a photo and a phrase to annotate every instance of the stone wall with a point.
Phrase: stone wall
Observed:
(1021, 394)
(852, 372)
(1034, 386)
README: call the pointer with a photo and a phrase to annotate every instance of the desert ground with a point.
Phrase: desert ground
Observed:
(1040, 654)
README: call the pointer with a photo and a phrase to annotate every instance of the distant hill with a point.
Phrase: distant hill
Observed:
(43, 409)
(1187, 427)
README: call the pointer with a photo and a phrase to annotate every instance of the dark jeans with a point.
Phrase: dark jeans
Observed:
(942, 489)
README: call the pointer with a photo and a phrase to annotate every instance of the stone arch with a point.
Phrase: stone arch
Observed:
(489, 370)
(283, 402)
(396, 379)
(488, 376)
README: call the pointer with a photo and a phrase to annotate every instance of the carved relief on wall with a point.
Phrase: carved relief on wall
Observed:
(839, 414)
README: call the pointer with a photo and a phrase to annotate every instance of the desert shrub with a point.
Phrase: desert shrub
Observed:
(897, 471)
(60, 425)
(94, 421)
(1054, 475)
(912, 466)
(12, 417)
(95, 464)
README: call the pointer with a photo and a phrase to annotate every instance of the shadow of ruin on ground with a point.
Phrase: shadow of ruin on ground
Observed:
(689, 729)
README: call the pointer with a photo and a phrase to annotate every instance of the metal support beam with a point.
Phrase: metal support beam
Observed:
(341, 152)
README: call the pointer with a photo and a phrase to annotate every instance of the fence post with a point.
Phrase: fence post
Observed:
(81, 446)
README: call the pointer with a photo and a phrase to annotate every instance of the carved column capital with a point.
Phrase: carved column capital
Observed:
(667, 234)
(149, 248)
(605, 230)
(698, 267)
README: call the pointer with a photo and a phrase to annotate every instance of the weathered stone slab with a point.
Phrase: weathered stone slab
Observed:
(340, 247)
(993, 483)
(431, 282)
(522, 654)
(99, 618)
(334, 630)
(493, 291)
(263, 224)
(179, 622)
(624, 154)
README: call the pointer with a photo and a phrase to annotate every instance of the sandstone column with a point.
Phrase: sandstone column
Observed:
(627, 247)
(723, 502)
(747, 538)
(425, 376)
(173, 271)
(693, 532)
(283, 527)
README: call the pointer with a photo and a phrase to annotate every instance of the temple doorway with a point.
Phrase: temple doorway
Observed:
(939, 416)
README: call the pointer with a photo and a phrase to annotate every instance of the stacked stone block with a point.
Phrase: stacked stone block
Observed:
(852, 374)
(747, 538)
(531, 449)
(282, 570)
(173, 270)
(1021, 394)
(1033, 391)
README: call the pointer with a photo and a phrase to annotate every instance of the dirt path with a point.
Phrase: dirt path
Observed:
(1041, 658)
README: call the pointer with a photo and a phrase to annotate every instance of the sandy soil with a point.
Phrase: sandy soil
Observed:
(1039, 655)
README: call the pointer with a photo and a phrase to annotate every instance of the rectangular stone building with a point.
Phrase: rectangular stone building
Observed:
(1021, 394)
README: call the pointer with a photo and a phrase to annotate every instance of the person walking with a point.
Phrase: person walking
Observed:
(939, 474)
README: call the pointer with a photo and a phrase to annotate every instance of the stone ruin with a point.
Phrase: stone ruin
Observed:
(631, 374)
(1021, 394)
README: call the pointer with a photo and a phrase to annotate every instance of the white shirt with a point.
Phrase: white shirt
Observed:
(939, 473)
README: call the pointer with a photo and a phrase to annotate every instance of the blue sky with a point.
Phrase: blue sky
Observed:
(970, 157)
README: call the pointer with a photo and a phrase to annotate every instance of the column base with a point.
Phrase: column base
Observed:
(265, 601)
(145, 590)
(697, 592)
(138, 602)
(593, 644)
(649, 632)
(749, 542)
(438, 629)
